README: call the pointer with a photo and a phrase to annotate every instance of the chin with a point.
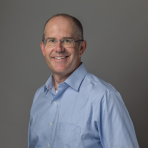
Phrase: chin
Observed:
(59, 71)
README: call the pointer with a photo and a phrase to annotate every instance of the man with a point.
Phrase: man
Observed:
(75, 109)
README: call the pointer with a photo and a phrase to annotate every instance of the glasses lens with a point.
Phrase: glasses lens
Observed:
(64, 42)
(51, 42)
(68, 42)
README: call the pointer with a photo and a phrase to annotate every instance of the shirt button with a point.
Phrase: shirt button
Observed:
(48, 145)
(50, 123)
(54, 102)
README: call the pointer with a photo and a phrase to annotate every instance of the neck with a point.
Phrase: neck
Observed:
(59, 79)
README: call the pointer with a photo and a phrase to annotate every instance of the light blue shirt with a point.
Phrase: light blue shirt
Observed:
(86, 112)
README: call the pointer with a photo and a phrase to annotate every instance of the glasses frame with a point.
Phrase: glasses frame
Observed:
(44, 41)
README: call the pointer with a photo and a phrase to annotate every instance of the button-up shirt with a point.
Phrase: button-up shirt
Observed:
(86, 112)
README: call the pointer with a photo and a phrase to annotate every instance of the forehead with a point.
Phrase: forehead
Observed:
(60, 27)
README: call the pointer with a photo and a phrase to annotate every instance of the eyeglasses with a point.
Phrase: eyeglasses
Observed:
(65, 42)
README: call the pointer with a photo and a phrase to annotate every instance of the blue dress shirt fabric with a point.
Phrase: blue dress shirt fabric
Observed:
(87, 112)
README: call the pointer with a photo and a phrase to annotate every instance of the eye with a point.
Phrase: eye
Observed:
(50, 40)
(67, 40)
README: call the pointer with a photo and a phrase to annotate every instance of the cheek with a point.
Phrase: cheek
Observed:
(75, 58)
(47, 52)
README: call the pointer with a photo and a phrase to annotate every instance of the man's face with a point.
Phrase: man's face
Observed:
(60, 28)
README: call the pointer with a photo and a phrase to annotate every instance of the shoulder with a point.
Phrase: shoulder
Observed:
(38, 92)
(97, 84)
(98, 90)
(102, 94)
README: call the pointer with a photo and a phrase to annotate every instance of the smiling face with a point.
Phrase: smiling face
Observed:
(62, 61)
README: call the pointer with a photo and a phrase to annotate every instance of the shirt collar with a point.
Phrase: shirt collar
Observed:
(49, 84)
(74, 80)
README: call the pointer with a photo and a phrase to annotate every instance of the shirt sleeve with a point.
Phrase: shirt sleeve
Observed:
(30, 121)
(115, 126)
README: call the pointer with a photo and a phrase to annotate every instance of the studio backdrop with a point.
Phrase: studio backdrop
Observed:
(117, 37)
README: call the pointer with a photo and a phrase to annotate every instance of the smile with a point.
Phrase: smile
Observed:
(61, 57)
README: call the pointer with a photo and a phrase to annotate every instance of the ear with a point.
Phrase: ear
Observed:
(82, 48)
(42, 48)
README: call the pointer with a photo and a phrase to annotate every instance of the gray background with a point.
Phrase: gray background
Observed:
(117, 36)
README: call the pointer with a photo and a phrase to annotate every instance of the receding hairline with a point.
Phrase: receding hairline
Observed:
(69, 17)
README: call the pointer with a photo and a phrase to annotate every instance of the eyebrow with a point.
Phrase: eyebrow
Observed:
(67, 38)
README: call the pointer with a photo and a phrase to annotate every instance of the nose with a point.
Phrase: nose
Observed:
(59, 47)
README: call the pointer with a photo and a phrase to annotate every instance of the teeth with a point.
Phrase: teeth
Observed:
(60, 57)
